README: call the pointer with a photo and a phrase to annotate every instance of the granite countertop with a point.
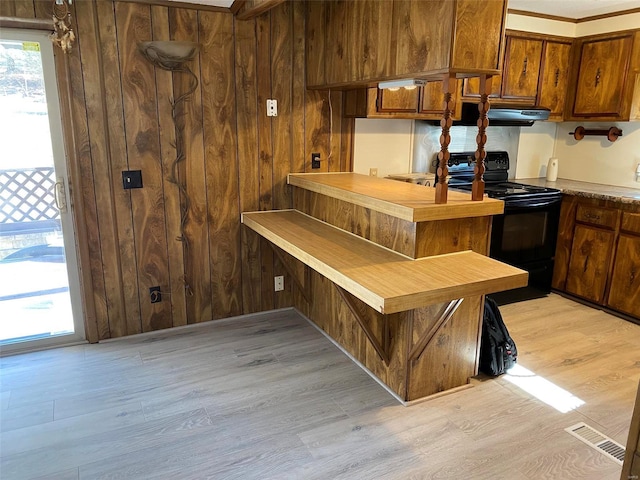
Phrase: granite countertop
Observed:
(588, 190)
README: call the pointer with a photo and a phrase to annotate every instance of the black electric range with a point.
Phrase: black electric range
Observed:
(525, 235)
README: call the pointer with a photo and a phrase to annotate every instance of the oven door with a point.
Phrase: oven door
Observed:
(527, 231)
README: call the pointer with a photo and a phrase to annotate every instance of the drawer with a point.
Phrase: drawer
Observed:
(602, 217)
(631, 222)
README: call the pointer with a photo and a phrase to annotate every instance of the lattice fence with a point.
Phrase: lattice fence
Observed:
(26, 195)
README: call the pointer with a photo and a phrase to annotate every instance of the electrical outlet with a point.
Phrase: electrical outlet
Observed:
(638, 173)
(373, 172)
(155, 295)
(272, 108)
(315, 160)
(278, 283)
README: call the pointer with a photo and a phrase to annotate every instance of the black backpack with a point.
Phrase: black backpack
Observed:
(498, 352)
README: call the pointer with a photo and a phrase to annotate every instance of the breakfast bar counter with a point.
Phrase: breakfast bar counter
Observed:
(394, 279)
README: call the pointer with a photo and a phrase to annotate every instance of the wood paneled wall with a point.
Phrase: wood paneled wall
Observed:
(237, 158)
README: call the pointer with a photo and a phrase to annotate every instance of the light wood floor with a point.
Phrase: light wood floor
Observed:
(269, 397)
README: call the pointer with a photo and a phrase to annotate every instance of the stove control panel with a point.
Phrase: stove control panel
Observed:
(465, 161)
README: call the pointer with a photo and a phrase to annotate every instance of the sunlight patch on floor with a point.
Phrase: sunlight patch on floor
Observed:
(543, 389)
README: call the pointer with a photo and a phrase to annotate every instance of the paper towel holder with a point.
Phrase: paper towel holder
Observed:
(612, 134)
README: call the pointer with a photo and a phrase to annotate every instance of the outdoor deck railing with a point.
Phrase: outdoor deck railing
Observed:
(27, 201)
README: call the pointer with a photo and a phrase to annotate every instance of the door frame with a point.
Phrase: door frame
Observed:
(77, 249)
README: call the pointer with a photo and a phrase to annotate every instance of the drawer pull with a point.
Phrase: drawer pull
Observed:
(592, 216)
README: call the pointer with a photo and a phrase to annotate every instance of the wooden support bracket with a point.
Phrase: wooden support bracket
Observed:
(423, 342)
(383, 348)
(305, 289)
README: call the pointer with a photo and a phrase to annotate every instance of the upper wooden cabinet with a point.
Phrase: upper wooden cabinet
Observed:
(423, 103)
(360, 43)
(521, 69)
(605, 72)
(554, 77)
(535, 71)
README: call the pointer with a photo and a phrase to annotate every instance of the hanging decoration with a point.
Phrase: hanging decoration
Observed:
(172, 56)
(62, 35)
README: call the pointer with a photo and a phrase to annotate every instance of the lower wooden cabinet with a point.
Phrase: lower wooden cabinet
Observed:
(598, 253)
(590, 258)
(624, 294)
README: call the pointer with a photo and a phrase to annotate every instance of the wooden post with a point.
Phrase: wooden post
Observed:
(448, 87)
(477, 188)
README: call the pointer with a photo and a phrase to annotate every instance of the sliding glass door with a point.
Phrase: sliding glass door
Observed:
(39, 284)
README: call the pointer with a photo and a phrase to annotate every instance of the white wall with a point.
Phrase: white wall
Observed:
(383, 144)
(526, 23)
(535, 147)
(596, 159)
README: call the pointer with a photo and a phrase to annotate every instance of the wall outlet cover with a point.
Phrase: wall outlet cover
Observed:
(131, 179)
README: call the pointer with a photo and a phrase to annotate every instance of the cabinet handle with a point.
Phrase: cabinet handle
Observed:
(524, 69)
(557, 77)
(632, 276)
(586, 264)
(597, 77)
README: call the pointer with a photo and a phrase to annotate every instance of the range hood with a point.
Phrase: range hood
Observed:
(503, 115)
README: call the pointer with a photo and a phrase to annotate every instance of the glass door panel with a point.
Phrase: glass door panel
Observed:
(39, 285)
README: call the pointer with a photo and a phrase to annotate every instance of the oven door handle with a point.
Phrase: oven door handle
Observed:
(524, 204)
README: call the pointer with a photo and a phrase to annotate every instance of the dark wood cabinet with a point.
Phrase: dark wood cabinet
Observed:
(351, 44)
(624, 294)
(521, 70)
(598, 253)
(603, 84)
(554, 77)
(397, 101)
(422, 103)
(535, 71)
(589, 264)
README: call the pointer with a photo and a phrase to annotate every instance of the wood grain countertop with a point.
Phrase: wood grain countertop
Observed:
(588, 190)
(385, 280)
(411, 202)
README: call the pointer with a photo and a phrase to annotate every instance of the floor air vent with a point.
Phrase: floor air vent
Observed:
(598, 441)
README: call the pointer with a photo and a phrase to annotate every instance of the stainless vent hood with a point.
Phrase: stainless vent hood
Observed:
(502, 115)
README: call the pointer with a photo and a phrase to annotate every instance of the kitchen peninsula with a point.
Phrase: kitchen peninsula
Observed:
(394, 278)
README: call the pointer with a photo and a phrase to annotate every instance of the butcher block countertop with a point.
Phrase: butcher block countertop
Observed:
(411, 202)
(588, 190)
(385, 280)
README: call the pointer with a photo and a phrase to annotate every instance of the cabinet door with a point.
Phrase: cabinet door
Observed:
(624, 293)
(589, 263)
(471, 87)
(601, 76)
(432, 99)
(554, 73)
(521, 69)
(395, 101)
